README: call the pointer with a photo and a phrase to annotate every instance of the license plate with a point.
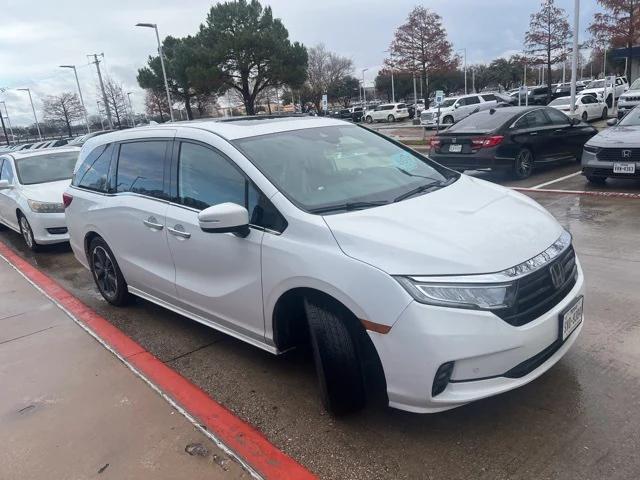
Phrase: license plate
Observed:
(571, 318)
(455, 148)
(624, 168)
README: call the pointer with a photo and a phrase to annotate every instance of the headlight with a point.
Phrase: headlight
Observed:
(591, 149)
(480, 292)
(483, 297)
(45, 207)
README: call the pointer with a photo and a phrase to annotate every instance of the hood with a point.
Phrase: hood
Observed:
(46, 192)
(630, 93)
(469, 227)
(593, 90)
(617, 137)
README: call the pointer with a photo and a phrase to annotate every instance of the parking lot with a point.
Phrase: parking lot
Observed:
(579, 420)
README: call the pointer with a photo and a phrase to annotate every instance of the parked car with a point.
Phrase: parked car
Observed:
(614, 152)
(356, 114)
(597, 89)
(454, 109)
(538, 95)
(515, 139)
(345, 114)
(588, 107)
(630, 99)
(31, 188)
(293, 230)
(564, 89)
(79, 141)
(389, 112)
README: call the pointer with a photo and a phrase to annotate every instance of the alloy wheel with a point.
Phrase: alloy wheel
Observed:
(105, 272)
(524, 164)
(27, 234)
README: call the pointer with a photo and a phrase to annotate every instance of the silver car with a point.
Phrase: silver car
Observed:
(614, 152)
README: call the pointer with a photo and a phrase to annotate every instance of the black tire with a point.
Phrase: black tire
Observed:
(585, 117)
(448, 120)
(369, 119)
(523, 165)
(391, 119)
(335, 352)
(596, 180)
(605, 113)
(609, 101)
(27, 233)
(106, 273)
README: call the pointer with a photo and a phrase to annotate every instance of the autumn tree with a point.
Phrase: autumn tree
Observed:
(251, 49)
(64, 108)
(547, 40)
(156, 104)
(617, 26)
(420, 46)
(325, 71)
(117, 99)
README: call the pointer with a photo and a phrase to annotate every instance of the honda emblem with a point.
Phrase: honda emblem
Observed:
(557, 275)
(626, 153)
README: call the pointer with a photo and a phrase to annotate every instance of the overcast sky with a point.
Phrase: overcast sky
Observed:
(37, 36)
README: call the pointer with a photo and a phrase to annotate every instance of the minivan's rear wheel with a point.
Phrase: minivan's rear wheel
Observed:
(391, 119)
(335, 352)
(106, 273)
(524, 164)
(27, 233)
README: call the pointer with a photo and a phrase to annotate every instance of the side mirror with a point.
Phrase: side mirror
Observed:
(225, 218)
(575, 121)
(5, 185)
(612, 122)
(457, 105)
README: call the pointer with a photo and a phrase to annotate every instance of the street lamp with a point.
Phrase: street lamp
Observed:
(8, 120)
(364, 91)
(33, 109)
(133, 120)
(465, 68)
(164, 72)
(84, 110)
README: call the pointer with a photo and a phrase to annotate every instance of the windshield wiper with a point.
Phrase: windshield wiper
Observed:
(348, 206)
(420, 189)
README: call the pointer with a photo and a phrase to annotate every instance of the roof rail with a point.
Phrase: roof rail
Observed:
(263, 117)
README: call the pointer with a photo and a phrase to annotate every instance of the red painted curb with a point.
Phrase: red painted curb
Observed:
(239, 436)
(589, 193)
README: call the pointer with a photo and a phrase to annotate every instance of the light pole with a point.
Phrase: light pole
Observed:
(164, 72)
(100, 114)
(8, 120)
(84, 110)
(133, 118)
(465, 69)
(574, 59)
(33, 109)
(364, 91)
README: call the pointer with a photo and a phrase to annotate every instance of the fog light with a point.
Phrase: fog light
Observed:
(441, 380)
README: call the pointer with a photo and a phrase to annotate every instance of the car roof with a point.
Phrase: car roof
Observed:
(41, 151)
(232, 128)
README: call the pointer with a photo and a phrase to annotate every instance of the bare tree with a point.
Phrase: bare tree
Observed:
(63, 108)
(325, 70)
(546, 41)
(116, 99)
(156, 105)
(420, 46)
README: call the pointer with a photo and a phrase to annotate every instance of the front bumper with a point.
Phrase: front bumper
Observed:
(624, 108)
(48, 228)
(593, 167)
(483, 347)
(484, 158)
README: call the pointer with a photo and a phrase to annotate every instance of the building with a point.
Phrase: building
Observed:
(620, 55)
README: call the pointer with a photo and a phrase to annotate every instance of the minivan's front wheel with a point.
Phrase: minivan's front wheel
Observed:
(106, 273)
(335, 352)
(523, 165)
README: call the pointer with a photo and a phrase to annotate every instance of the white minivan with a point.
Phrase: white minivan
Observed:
(292, 230)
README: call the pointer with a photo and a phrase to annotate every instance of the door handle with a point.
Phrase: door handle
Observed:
(178, 231)
(152, 223)
(533, 133)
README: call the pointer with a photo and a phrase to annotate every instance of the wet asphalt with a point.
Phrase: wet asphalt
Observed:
(579, 420)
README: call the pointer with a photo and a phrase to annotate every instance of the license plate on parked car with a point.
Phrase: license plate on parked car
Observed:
(455, 148)
(570, 319)
(624, 168)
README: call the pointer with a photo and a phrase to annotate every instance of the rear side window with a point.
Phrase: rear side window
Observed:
(141, 168)
(557, 118)
(401, 105)
(488, 97)
(5, 171)
(206, 177)
(93, 173)
(533, 119)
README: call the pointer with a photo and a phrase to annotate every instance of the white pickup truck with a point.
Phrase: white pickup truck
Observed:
(597, 89)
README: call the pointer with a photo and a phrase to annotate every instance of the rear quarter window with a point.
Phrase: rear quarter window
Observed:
(93, 172)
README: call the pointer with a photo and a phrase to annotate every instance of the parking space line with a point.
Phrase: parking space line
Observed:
(556, 180)
(591, 193)
(236, 437)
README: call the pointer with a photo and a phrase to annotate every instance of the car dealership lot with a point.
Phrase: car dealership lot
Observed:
(579, 420)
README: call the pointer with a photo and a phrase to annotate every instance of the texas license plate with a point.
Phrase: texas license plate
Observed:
(571, 318)
(455, 148)
(624, 168)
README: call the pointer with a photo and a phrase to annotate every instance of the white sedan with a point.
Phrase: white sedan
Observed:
(31, 187)
(588, 107)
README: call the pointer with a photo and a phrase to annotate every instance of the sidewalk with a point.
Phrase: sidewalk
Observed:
(69, 409)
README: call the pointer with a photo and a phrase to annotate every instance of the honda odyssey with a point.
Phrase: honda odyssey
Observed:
(281, 231)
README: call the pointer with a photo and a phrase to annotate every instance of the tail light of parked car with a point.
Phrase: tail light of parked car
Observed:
(486, 142)
(66, 199)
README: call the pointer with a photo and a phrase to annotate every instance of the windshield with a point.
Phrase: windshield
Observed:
(339, 167)
(448, 103)
(562, 101)
(635, 85)
(596, 84)
(46, 168)
(631, 119)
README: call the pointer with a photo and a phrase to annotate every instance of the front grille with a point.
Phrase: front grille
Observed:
(616, 155)
(426, 116)
(536, 293)
(630, 99)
